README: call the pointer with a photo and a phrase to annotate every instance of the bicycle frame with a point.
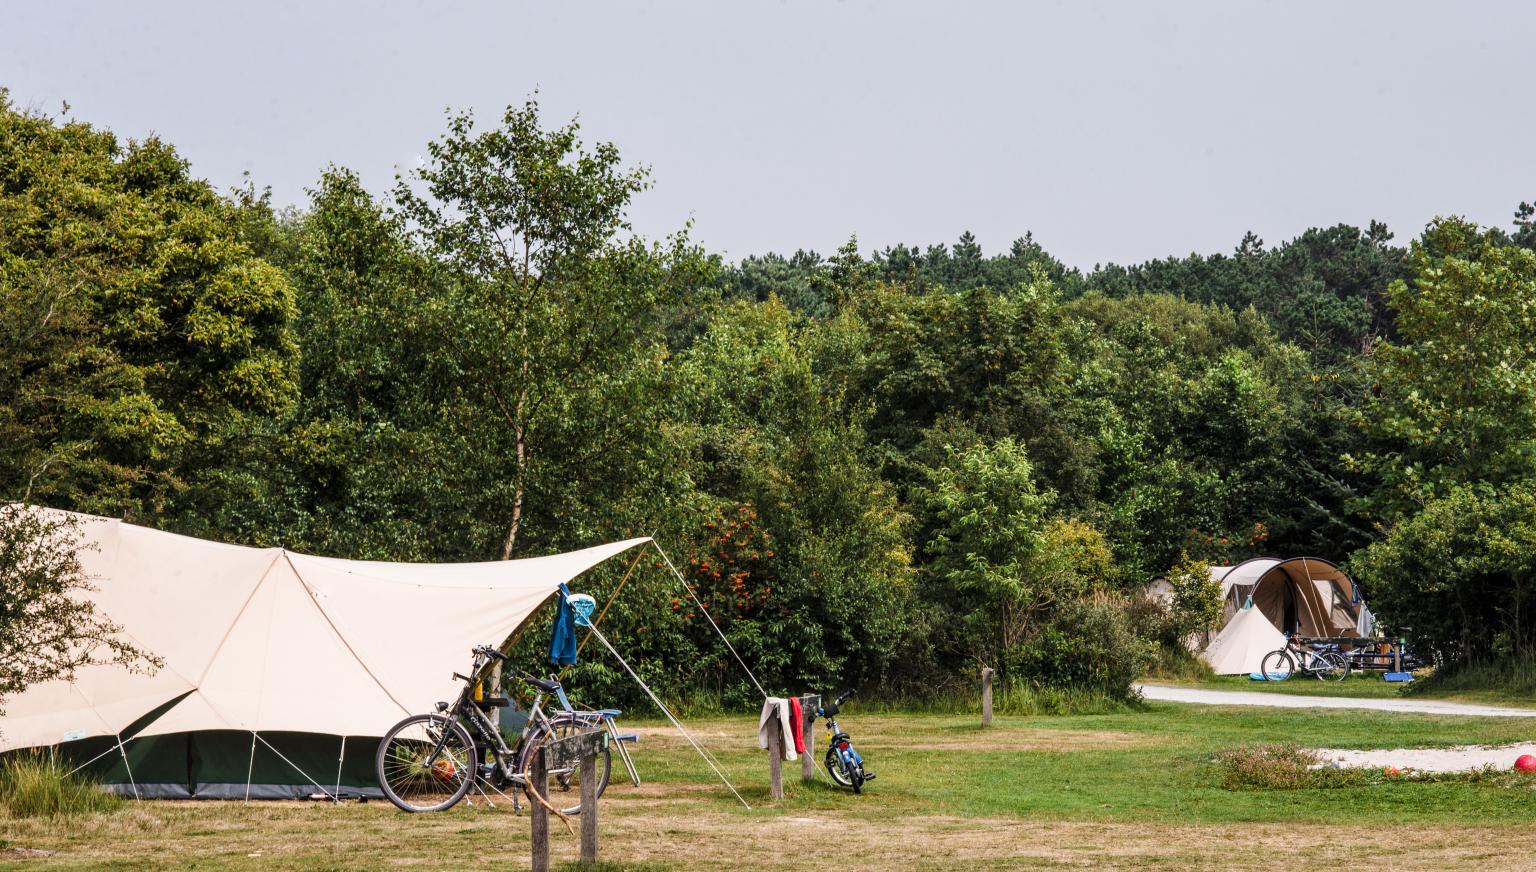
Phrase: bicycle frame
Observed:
(842, 744)
(488, 734)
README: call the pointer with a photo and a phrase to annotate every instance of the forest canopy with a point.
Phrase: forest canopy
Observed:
(876, 467)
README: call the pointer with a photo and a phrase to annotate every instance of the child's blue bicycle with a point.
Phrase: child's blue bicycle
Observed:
(843, 763)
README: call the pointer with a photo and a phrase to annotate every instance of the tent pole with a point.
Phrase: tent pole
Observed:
(612, 597)
(131, 782)
(337, 795)
(709, 617)
(250, 768)
(92, 760)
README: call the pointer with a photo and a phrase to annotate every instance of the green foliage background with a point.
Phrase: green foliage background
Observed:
(880, 469)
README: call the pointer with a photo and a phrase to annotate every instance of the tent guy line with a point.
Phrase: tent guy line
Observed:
(668, 712)
(710, 618)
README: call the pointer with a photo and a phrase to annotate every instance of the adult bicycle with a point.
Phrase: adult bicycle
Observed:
(430, 762)
(1323, 662)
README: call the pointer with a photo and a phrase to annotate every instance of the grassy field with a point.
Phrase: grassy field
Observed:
(1131, 789)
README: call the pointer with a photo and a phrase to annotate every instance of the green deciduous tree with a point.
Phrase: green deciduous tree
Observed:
(547, 309)
(1454, 400)
(48, 626)
(140, 336)
(1457, 575)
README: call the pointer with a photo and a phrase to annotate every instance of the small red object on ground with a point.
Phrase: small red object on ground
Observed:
(1391, 770)
(1526, 763)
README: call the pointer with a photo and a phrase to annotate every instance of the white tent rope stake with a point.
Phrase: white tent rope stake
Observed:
(708, 617)
(668, 712)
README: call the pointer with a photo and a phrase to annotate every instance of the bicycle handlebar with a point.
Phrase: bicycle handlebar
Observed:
(488, 651)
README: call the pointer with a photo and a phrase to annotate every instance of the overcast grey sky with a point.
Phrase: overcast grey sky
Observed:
(1114, 131)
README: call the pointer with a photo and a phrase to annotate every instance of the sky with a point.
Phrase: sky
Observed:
(1112, 131)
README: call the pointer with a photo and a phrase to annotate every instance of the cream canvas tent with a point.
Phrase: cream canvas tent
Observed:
(1240, 647)
(272, 659)
(1306, 595)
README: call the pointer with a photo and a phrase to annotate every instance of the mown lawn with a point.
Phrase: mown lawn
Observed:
(1365, 685)
(1136, 788)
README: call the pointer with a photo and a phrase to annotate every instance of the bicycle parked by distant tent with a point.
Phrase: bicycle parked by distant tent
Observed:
(1321, 660)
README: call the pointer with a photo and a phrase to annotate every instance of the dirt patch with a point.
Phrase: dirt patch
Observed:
(641, 830)
(1023, 740)
(700, 842)
(886, 734)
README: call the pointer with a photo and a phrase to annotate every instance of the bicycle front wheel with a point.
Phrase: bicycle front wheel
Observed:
(1277, 665)
(837, 769)
(563, 787)
(426, 763)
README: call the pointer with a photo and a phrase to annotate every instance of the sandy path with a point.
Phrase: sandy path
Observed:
(1459, 759)
(1200, 696)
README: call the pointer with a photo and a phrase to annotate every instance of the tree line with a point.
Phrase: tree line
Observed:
(880, 468)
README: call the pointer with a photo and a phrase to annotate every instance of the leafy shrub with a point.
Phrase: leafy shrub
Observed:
(1197, 601)
(41, 785)
(1089, 643)
(1281, 767)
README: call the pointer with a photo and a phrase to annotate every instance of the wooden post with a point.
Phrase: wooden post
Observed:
(562, 755)
(589, 811)
(539, 841)
(808, 704)
(986, 697)
(1397, 656)
(775, 758)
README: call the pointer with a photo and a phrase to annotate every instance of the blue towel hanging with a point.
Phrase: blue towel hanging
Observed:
(562, 641)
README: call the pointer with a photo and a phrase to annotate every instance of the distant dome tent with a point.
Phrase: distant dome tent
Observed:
(272, 660)
(1306, 595)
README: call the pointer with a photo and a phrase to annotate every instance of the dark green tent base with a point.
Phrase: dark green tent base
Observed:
(230, 764)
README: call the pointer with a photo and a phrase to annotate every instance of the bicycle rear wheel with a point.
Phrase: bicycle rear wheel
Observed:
(563, 787)
(1330, 666)
(426, 763)
(1277, 665)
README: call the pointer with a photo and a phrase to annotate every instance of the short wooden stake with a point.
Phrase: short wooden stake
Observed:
(808, 705)
(986, 697)
(1397, 656)
(589, 811)
(539, 816)
(776, 758)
